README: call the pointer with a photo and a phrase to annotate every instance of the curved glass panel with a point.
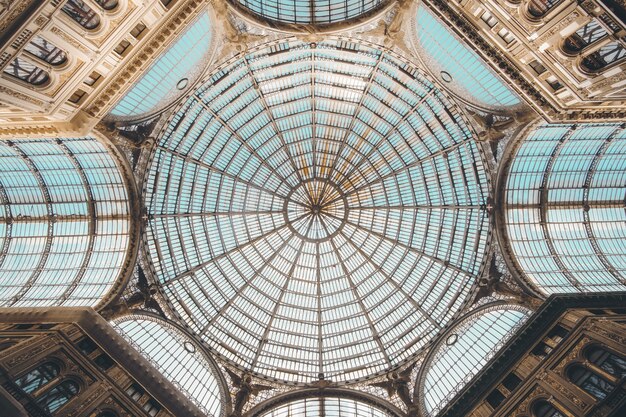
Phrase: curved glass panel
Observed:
(161, 81)
(607, 55)
(542, 408)
(589, 381)
(45, 50)
(81, 13)
(609, 362)
(467, 75)
(38, 377)
(317, 211)
(584, 36)
(326, 406)
(565, 215)
(63, 222)
(310, 12)
(58, 396)
(27, 72)
(538, 8)
(478, 339)
(176, 358)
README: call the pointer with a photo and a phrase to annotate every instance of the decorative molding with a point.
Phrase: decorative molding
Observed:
(69, 39)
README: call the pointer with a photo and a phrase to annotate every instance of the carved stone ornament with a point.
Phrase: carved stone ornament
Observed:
(614, 336)
(556, 28)
(572, 355)
(522, 408)
(567, 393)
(86, 401)
(33, 351)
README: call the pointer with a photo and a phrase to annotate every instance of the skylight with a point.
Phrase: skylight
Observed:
(172, 72)
(465, 351)
(177, 358)
(457, 65)
(316, 12)
(565, 207)
(64, 222)
(317, 211)
(326, 406)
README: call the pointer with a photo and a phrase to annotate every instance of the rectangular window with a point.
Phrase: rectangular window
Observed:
(135, 392)
(122, 47)
(506, 35)
(92, 79)
(495, 399)
(77, 96)
(511, 382)
(138, 30)
(489, 19)
(537, 67)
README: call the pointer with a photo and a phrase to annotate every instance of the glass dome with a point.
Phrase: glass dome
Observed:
(317, 211)
(316, 12)
(326, 406)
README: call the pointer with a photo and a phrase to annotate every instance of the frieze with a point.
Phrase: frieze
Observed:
(28, 130)
(12, 15)
(607, 82)
(20, 96)
(557, 27)
(616, 337)
(567, 393)
(69, 39)
(86, 401)
(31, 352)
(522, 408)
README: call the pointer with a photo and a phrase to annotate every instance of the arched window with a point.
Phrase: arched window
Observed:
(584, 36)
(43, 49)
(81, 13)
(607, 361)
(58, 396)
(539, 8)
(607, 55)
(589, 381)
(38, 377)
(26, 71)
(107, 4)
(542, 408)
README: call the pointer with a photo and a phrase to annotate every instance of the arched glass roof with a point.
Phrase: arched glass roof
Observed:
(565, 215)
(458, 66)
(310, 12)
(176, 357)
(326, 406)
(177, 67)
(317, 211)
(465, 350)
(64, 231)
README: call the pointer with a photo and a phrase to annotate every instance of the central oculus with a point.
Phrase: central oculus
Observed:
(316, 211)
